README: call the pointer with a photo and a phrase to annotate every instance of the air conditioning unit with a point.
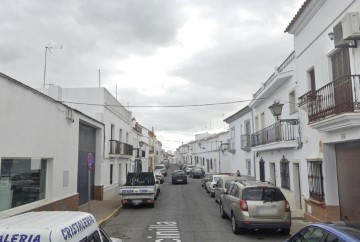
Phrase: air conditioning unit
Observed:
(351, 26)
(339, 40)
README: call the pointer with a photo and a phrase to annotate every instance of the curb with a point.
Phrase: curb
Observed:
(109, 216)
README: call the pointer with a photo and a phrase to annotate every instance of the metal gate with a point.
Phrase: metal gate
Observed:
(87, 140)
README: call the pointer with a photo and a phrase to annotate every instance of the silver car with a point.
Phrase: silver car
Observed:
(223, 184)
(210, 184)
(255, 205)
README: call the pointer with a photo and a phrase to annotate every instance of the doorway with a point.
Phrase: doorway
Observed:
(297, 186)
(272, 174)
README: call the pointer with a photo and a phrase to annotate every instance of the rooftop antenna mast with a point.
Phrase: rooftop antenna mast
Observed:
(49, 47)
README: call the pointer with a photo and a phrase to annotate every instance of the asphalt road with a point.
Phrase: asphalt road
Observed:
(182, 213)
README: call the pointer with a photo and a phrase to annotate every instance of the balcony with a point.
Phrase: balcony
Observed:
(282, 134)
(232, 148)
(118, 148)
(246, 142)
(332, 107)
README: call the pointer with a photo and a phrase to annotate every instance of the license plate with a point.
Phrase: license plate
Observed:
(136, 201)
(179, 180)
(264, 211)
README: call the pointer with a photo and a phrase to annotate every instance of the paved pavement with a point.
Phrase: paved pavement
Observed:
(104, 210)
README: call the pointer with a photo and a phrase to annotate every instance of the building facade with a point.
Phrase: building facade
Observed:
(117, 157)
(48, 150)
(326, 40)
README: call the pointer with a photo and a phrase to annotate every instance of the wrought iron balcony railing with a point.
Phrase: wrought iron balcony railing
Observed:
(120, 148)
(339, 96)
(283, 130)
(245, 142)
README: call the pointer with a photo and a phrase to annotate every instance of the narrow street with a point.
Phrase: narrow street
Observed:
(185, 210)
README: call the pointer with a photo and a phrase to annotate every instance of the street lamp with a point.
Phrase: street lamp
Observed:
(276, 109)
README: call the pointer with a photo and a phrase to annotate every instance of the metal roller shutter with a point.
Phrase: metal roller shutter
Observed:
(348, 167)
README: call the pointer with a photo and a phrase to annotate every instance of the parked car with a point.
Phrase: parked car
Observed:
(210, 184)
(197, 172)
(223, 184)
(255, 205)
(178, 176)
(18, 181)
(188, 168)
(159, 176)
(205, 179)
(328, 231)
(162, 169)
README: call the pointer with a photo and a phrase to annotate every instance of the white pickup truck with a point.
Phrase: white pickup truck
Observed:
(140, 188)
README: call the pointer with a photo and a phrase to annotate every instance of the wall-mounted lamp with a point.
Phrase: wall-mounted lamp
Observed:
(276, 109)
(331, 35)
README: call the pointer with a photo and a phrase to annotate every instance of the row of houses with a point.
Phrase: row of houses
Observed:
(57, 144)
(301, 131)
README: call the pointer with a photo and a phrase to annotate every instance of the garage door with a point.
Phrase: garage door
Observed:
(348, 166)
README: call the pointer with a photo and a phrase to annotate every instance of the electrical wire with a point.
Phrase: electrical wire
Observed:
(170, 106)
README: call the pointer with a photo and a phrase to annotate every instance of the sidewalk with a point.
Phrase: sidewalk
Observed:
(298, 221)
(104, 210)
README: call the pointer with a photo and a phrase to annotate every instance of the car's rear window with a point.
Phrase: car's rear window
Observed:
(179, 172)
(263, 194)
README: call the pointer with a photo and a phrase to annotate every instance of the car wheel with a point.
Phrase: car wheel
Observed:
(152, 205)
(285, 231)
(234, 226)
(222, 214)
(212, 194)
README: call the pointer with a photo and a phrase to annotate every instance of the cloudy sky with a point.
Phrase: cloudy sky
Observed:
(157, 52)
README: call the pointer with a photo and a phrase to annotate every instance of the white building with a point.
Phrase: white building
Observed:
(209, 151)
(45, 150)
(327, 71)
(117, 158)
(241, 156)
(276, 140)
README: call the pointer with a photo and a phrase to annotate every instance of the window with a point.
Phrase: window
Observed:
(120, 135)
(311, 77)
(235, 191)
(22, 181)
(309, 234)
(292, 102)
(248, 166)
(127, 138)
(315, 179)
(262, 120)
(111, 173)
(112, 132)
(284, 172)
(256, 123)
(232, 133)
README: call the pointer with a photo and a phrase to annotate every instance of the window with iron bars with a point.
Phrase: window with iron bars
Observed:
(284, 173)
(315, 179)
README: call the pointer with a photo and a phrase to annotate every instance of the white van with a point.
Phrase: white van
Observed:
(52, 226)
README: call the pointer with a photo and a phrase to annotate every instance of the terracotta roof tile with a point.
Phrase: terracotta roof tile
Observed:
(302, 8)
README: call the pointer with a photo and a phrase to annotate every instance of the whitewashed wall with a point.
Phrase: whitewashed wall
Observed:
(35, 126)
